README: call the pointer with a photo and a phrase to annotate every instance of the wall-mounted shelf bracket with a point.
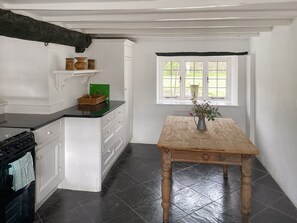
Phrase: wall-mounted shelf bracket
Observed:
(63, 75)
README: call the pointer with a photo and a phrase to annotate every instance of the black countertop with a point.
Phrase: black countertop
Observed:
(35, 121)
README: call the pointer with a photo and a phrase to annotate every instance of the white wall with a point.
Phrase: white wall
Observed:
(276, 104)
(148, 116)
(27, 82)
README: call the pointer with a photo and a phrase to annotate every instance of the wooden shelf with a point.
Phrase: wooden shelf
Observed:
(63, 75)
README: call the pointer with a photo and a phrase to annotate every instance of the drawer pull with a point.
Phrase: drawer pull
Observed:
(205, 156)
(49, 132)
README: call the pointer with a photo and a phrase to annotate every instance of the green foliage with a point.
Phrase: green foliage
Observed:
(205, 109)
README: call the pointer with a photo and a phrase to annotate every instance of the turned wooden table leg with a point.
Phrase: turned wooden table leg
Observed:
(246, 188)
(225, 171)
(166, 183)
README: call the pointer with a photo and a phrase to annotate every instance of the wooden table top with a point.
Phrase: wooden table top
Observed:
(222, 135)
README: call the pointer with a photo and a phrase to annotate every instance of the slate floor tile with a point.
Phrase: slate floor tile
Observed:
(211, 189)
(138, 196)
(231, 204)
(119, 183)
(60, 201)
(265, 195)
(153, 212)
(76, 215)
(212, 213)
(146, 173)
(272, 216)
(180, 165)
(187, 176)
(155, 185)
(268, 181)
(258, 165)
(189, 200)
(105, 209)
(286, 206)
(128, 217)
(131, 163)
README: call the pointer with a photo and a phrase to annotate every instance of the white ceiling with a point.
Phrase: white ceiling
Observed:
(179, 19)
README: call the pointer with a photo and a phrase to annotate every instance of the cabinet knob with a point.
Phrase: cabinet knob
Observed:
(205, 156)
(49, 132)
(39, 157)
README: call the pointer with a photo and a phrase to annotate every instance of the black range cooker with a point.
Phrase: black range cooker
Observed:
(16, 204)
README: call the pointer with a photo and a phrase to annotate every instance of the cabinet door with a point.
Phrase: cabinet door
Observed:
(128, 101)
(48, 168)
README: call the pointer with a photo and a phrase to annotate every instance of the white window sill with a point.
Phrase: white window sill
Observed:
(189, 102)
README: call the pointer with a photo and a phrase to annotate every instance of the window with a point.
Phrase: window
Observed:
(176, 74)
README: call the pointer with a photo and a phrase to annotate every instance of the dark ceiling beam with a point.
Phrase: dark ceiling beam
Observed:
(23, 27)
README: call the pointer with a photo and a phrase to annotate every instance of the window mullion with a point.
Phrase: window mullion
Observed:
(182, 75)
(205, 82)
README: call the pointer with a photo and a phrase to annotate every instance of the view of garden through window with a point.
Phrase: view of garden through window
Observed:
(210, 74)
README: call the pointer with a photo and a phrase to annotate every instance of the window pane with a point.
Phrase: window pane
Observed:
(222, 74)
(198, 81)
(222, 65)
(212, 74)
(190, 66)
(212, 83)
(175, 91)
(198, 65)
(171, 79)
(222, 92)
(167, 73)
(190, 74)
(167, 66)
(175, 65)
(167, 92)
(166, 82)
(189, 82)
(175, 82)
(212, 65)
(222, 83)
(212, 92)
(198, 74)
(175, 74)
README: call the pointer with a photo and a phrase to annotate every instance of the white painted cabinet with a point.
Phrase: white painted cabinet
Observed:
(115, 58)
(113, 138)
(50, 168)
(92, 145)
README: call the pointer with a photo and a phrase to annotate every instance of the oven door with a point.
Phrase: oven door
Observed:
(15, 206)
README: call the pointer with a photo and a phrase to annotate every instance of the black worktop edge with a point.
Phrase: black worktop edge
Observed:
(45, 119)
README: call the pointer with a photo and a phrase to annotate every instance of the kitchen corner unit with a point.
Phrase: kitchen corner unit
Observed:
(92, 147)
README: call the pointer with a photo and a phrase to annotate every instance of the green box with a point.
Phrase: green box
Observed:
(104, 88)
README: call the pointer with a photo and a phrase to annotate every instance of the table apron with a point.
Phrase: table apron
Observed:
(205, 157)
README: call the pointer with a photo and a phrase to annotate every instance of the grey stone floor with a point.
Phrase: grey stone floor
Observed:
(131, 193)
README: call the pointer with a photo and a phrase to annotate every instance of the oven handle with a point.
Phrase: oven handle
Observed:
(22, 153)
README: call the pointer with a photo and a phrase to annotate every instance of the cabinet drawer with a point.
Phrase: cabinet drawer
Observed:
(48, 132)
(107, 156)
(107, 120)
(118, 145)
(108, 135)
(119, 112)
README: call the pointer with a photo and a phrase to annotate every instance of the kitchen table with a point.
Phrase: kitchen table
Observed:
(222, 143)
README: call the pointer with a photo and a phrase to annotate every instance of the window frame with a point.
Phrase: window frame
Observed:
(183, 59)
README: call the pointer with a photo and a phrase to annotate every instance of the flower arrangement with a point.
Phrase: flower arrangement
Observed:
(205, 109)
